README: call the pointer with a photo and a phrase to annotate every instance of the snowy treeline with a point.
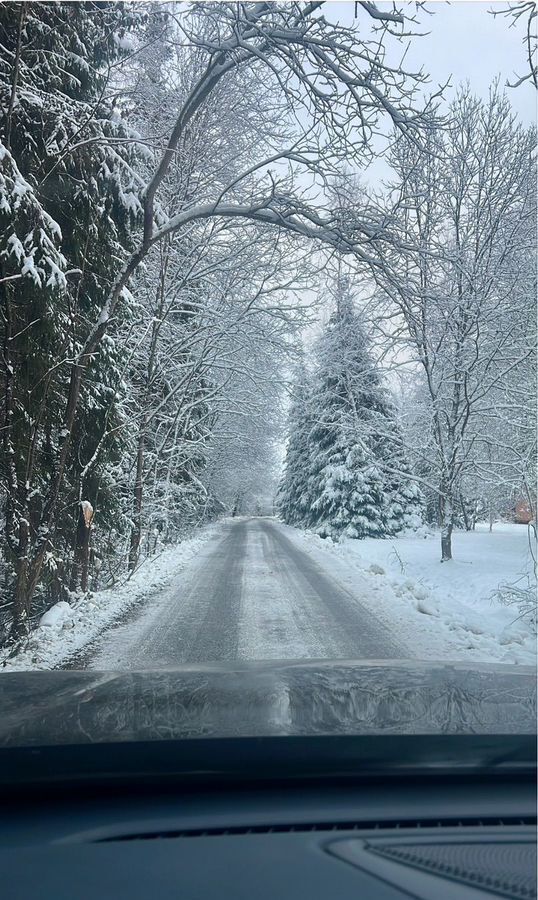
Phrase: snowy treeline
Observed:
(167, 203)
(156, 235)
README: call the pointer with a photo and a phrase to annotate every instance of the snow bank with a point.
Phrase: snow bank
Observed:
(439, 610)
(56, 615)
(67, 628)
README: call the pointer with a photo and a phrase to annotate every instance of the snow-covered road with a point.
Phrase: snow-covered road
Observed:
(251, 593)
(254, 589)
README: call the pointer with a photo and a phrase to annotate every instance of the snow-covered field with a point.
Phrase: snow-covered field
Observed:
(68, 628)
(445, 611)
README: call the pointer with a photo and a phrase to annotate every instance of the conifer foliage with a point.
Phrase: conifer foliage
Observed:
(346, 473)
(68, 203)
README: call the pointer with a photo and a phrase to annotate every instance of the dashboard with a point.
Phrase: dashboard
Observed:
(277, 780)
(436, 837)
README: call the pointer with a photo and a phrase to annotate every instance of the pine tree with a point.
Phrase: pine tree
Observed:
(358, 480)
(349, 493)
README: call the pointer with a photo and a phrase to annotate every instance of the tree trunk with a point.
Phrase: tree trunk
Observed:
(446, 543)
(446, 527)
(474, 515)
(21, 599)
(464, 514)
(82, 552)
(15, 78)
(136, 529)
(85, 558)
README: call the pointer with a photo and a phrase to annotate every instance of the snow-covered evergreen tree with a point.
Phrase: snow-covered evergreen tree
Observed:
(358, 481)
(346, 492)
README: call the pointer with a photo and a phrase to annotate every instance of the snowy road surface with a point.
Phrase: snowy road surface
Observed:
(251, 593)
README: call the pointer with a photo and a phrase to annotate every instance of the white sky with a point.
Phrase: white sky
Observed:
(468, 43)
(465, 42)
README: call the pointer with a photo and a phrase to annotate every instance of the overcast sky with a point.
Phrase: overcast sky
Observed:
(467, 43)
(464, 43)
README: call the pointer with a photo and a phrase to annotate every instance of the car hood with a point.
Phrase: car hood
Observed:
(250, 699)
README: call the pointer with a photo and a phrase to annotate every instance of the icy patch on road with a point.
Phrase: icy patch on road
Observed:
(68, 628)
(442, 611)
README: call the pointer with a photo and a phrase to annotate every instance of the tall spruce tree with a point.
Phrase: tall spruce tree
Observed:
(358, 481)
(346, 490)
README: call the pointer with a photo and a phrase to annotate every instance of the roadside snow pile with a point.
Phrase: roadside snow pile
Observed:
(440, 611)
(56, 615)
(69, 627)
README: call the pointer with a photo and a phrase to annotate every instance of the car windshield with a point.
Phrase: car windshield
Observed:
(268, 368)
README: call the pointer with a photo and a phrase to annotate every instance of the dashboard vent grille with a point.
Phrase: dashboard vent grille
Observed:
(502, 868)
(287, 828)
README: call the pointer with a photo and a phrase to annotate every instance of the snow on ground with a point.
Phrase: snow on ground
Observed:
(442, 610)
(68, 628)
(436, 611)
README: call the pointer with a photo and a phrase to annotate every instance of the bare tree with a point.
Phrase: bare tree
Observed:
(469, 207)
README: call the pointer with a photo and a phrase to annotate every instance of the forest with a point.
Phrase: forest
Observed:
(207, 310)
